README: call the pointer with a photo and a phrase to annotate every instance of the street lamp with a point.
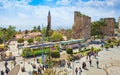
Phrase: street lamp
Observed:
(73, 66)
(42, 48)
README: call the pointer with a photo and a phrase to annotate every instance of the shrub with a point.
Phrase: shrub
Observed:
(21, 40)
(30, 40)
(26, 52)
(69, 50)
(109, 40)
(55, 54)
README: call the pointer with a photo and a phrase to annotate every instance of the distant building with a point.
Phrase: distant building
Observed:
(109, 29)
(82, 26)
(29, 35)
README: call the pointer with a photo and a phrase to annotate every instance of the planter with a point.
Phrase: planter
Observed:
(23, 69)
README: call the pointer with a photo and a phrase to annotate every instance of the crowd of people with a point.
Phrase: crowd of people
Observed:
(90, 62)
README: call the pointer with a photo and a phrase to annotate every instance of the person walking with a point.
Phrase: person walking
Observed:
(2, 72)
(97, 63)
(84, 65)
(39, 70)
(76, 70)
(14, 62)
(80, 70)
(5, 64)
(7, 70)
(90, 62)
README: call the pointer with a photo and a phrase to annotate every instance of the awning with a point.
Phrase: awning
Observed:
(2, 46)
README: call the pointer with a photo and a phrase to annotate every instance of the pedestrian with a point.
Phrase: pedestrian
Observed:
(80, 70)
(7, 70)
(14, 62)
(39, 70)
(97, 63)
(2, 72)
(5, 64)
(76, 70)
(84, 65)
(37, 60)
(90, 62)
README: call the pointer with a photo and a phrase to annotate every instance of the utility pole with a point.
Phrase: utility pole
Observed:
(42, 48)
(73, 66)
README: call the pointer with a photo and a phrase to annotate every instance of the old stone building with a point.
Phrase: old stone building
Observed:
(82, 26)
(109, 30)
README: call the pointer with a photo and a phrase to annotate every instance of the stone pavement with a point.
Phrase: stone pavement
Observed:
(106, 57)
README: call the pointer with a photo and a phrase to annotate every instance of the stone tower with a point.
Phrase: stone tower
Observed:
(82, 26)
(49, 24)
(110, 26)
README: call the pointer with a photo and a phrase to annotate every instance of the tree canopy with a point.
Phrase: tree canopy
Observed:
(57, 36)
(7, 33)
(30, 40)
(96, 27)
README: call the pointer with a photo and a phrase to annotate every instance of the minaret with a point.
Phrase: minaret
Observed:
(49, 20)
(49, 24)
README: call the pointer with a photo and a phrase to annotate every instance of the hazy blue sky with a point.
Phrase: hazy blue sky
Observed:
(24, 14)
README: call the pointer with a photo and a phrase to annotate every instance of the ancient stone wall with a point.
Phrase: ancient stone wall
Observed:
(82, 26)
(110, 26)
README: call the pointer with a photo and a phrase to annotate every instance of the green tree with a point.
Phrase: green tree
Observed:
(21, 40)
(30, 40)
(69, 32)
(56, 36)
(38, 28)
(10, 32)
(116, 25)
(26, 32)
(1, 41)
(7, 33)
(96, 27)
(43, 31)
(38, 39)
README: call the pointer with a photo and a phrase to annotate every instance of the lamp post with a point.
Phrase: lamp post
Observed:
(42, 47)
(73, 66)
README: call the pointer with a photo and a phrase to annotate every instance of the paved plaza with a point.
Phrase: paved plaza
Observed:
(108, 63)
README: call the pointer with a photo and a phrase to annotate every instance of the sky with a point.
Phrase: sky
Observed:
(25, 14)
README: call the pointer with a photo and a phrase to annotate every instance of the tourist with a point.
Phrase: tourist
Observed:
(84, 65)
(76, 70)
(97, 63)
(37, 60)
(80, 70)
(39, 70)
(87, 57)
(2, 72)
(6, 63)
(90, 62)
(7, 70)
(14, 62)
(69, 64)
